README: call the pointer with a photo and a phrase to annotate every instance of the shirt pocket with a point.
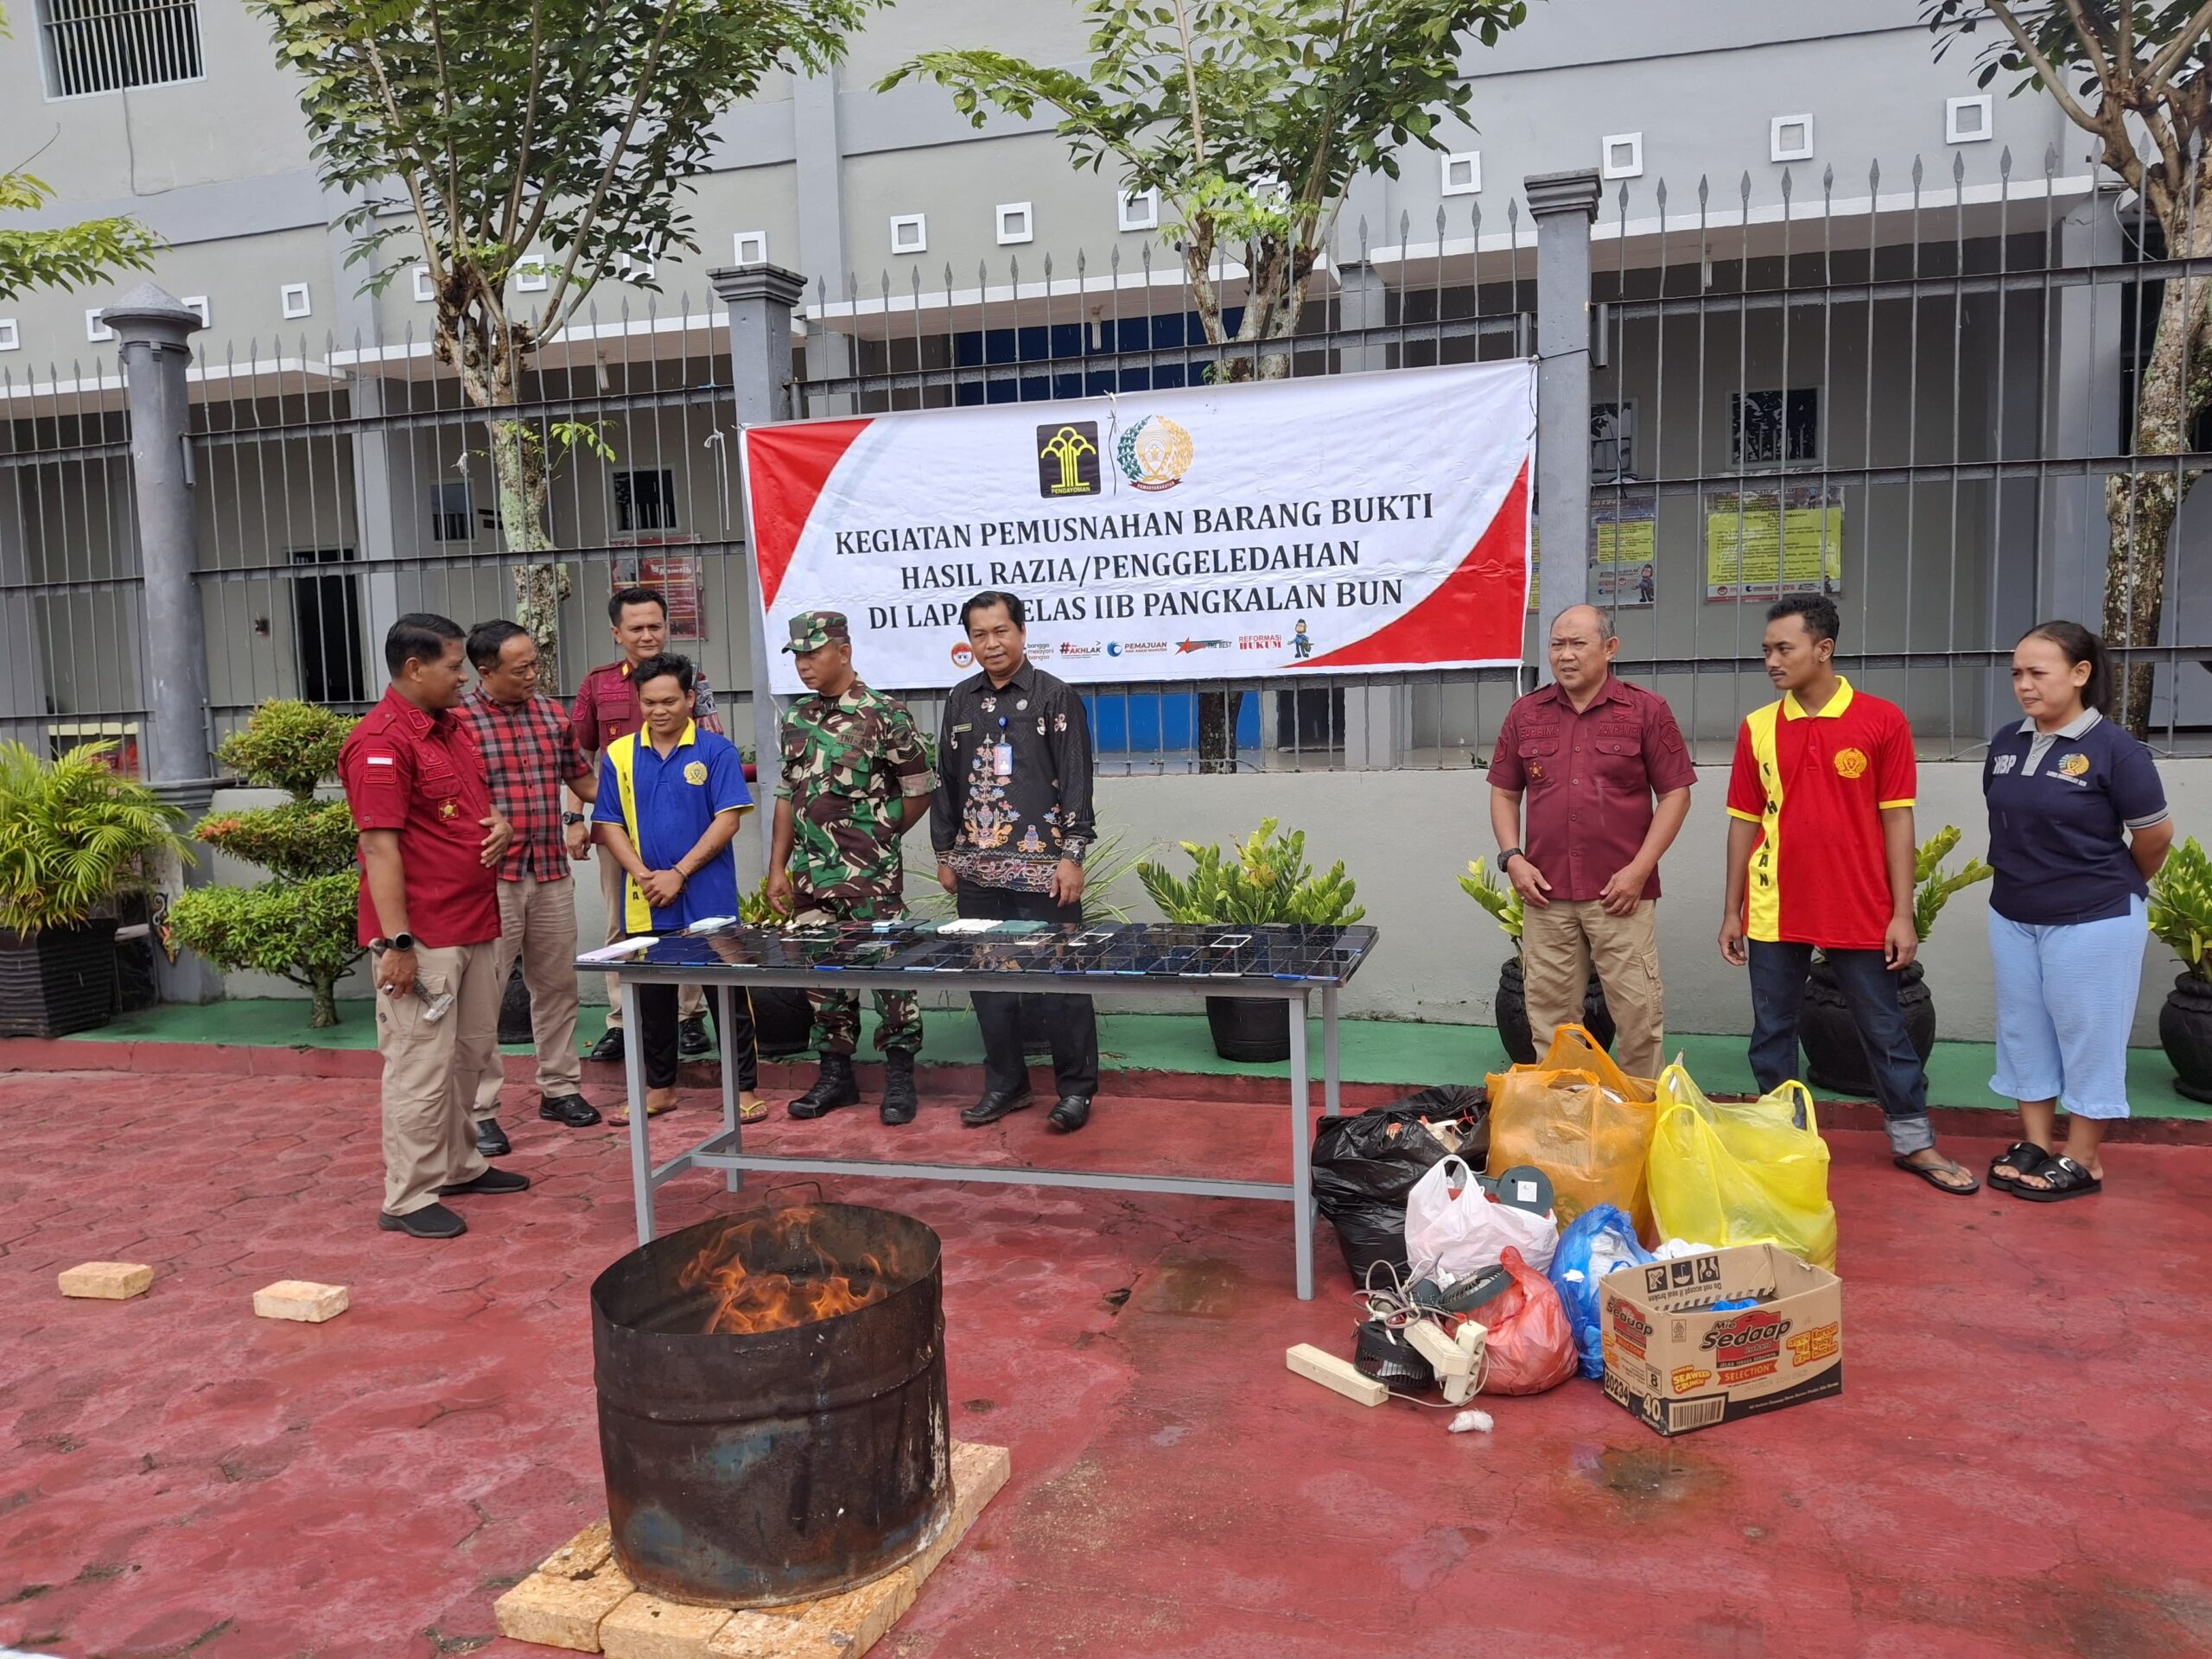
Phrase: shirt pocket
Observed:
(1618, 759)
(437, 783)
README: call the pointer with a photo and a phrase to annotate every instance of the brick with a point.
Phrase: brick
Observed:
(564, 1602)
(764, 1634)
(300, 1300)
(113, 1281)
(646, 1627)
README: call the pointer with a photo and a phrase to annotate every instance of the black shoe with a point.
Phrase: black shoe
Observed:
(691, 1038)
(834, 1086)
(490, 1138)
(993, 1107)
(572, 1110)
(898, 1099)
(609, 1047)
(491, 1180)
(431, 1221)
(1070, 1113)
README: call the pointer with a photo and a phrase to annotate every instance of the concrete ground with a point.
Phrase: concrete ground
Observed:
(2020, 1464)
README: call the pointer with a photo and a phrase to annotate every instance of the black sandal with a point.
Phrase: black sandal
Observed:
(2068, 1180)
(1929, 1172)
(2021, 1157)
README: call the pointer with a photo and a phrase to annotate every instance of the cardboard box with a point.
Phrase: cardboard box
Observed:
(1679, 1365)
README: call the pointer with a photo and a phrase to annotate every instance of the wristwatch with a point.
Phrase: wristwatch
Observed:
(572, 818)
(1505, 860)
(397, 941)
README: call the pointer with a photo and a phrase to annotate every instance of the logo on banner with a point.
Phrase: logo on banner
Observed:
(1154, 453)
(964, 655)
(1067, 650)
(1067, 459)
(1189, 646)
(1136, 647)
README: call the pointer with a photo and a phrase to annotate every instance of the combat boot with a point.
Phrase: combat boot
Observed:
(835, 1087)
(898, 1099)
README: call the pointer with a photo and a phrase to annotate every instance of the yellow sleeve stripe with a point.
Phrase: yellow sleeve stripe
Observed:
(1888, 805)
(1748, 817)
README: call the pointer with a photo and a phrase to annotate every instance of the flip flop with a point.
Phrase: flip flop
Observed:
(2068, 1180)
(2021, 1157)
(1928, 1172)
(621, 1120)
(752, 1111)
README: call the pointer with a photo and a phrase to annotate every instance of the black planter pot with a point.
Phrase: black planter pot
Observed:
(1245, 1029)
(1835, 1060)
(57, 980)
(2185, 1032)
(514, 1008)
(1511, 1011)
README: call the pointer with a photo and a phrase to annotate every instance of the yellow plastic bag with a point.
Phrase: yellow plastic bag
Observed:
(1741, 1173)
(1582, 1121)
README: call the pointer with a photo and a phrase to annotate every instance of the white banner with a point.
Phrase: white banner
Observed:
(1344, 524)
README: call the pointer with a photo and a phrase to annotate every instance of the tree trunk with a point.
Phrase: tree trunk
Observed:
(2141, 506)
(519, 489)
(1217, 713)
(324, 988)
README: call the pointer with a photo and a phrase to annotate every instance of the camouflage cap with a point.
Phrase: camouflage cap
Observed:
(811, 630)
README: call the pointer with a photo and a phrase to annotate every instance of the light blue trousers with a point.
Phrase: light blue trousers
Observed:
(2065, 1004)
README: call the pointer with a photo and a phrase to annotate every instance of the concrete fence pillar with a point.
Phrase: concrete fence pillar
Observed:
(173, 739)
(1565, 204)
(761, 299)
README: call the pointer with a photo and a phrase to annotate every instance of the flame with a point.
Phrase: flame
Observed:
(746, 1303)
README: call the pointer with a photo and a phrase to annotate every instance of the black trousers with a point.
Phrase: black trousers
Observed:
(656, 1035)
(1069, 1019)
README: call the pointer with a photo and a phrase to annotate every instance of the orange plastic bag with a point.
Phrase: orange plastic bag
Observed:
(1582, 1121)
(1530, 1346)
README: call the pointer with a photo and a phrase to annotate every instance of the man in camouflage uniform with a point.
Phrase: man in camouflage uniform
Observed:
(855, 779)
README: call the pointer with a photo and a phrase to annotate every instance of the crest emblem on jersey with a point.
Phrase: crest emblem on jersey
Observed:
(1850, 763)
(448, 809)
(2075, 765)
(695, 773)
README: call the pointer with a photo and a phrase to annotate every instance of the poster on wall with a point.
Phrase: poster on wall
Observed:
(680, 578)
(1337, 525)
(1759, 543)
(1623, 555)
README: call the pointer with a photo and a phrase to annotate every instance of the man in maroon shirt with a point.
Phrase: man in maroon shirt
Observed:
(1591, 752)
(606, 708)
(430, 910)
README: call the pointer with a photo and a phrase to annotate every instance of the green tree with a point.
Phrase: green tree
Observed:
(69, 256)
(2134, 76)
(483, 135)
(300, 925)
(1250, 117)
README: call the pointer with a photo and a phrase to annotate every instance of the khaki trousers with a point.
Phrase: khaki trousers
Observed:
(431, 1071)
(537, 923)
(1559, 946)
(691, 1000)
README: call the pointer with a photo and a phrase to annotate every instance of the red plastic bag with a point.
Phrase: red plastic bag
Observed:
(1531, 1345)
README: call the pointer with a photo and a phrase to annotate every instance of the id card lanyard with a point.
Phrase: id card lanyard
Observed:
(1002, 754)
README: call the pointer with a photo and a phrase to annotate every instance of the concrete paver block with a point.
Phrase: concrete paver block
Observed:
(301, 1300)
(646, 1627)
(112, 1281)
(564, 1602)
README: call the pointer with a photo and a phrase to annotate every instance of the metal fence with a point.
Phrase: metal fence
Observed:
(1908, 390)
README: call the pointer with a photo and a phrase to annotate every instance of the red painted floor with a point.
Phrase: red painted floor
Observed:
(2018, 1465)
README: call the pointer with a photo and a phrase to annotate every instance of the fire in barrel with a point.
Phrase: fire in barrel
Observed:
(772, 1404)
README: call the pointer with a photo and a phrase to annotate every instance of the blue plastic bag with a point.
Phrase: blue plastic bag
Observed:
(1593, 1244)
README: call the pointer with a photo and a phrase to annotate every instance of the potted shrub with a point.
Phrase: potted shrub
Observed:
(299, 925)
(2181, 916)
(1267, 879)
(75, 835)
(1834, 1060)
(782, 1018)
(1502, 900)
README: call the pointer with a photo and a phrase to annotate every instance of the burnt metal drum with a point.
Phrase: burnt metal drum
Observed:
(757, 1470)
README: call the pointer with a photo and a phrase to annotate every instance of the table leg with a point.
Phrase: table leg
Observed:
(1331, 1091)
(727, 1009)
(1301, 1153)
(633, 1075)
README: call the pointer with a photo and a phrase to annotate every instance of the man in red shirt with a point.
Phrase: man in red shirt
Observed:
(1820, 855)
(1607, 779)
(429, 846)
(606, 708)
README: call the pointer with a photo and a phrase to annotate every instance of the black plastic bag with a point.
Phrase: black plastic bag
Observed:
(1364, 1166)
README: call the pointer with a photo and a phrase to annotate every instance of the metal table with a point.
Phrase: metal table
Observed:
(1288, 964)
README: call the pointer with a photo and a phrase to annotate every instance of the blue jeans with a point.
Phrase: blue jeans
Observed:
(1900, 1080)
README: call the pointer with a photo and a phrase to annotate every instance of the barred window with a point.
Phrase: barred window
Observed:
(103, 46)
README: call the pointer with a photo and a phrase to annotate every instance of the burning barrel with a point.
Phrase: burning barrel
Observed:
(772, 1406)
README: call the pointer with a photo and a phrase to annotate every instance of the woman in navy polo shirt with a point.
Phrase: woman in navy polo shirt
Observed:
(2077, 825)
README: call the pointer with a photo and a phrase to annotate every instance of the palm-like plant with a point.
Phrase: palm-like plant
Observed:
(1933, 886)
(1267, 879)
(1501, 899)
(2181, 906)
(74, 833)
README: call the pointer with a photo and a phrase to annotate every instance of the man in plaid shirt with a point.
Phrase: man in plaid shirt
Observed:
(530, 752)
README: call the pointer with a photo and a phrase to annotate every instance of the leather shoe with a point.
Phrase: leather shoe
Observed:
(572, 1110)
(609, 1047)
(431, 1221)
(899, 1101)
(1070, 1113)
(691, 1038)
(834, 1086)
(491, 1180)
(490, 1138)
(993, 1107)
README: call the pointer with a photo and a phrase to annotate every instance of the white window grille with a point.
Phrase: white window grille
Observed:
(910, 233)
(423, 292)
(104, 46)
(11, 337)
(1463, 173)
(645, 499)
(636, 268)
(197, 302)
(94, 328)
(298, 303)
(1970, 120)
(750, 247)
(1017, 223)
(1622, 155)
(1138, 210)
(532, 275)
(1789, 138)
